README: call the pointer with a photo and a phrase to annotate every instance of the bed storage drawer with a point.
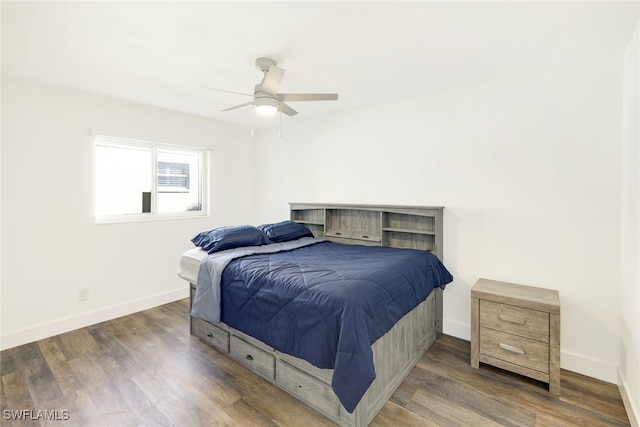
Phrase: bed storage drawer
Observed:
(258, 360)
(312, 389)
(213, 335)
(325, 375)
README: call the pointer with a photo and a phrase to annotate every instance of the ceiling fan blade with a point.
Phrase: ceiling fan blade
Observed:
(287, 110)
(227, 91)
(238, 106)
(294, 97)
(272, 80)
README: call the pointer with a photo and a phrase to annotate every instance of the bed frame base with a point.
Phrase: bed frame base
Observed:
(395, 354)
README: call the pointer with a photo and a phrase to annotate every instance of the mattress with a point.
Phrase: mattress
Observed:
(190, 264)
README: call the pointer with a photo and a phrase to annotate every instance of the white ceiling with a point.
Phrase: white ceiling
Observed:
(162, 53)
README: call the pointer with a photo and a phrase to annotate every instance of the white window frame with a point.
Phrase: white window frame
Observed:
(204, 180)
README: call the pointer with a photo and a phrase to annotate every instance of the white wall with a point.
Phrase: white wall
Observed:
(629, 375)
(528, 170)
(50, 244)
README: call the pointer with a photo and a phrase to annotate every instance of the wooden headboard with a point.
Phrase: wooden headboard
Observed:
(415, 227)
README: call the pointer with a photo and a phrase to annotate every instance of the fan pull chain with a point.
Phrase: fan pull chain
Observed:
(280, 131)
(253, 118)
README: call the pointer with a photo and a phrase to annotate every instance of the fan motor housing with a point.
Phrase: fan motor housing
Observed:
(263, 64)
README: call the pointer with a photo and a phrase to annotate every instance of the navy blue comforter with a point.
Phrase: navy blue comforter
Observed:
(327, 303)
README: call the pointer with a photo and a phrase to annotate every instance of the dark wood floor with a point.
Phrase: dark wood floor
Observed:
(146, 370)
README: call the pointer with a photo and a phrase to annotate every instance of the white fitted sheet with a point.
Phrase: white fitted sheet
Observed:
(190, 264)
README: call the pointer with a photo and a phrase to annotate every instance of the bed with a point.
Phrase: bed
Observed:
(334, 315)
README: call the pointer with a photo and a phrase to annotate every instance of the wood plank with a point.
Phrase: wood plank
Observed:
(285, 410)
(244, 414)
(77, 343)
(449, 360)
(593, 395)
(130, 362)
(472, 400)
(41, 382)
(169, 399)
(200, 374)
(79, 408)
(64, 376)
(8, 361)
(117, 398)
(393, 415)
(17, 397)
(443, 412)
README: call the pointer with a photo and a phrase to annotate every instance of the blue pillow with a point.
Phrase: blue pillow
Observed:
(223, 238)
(285, 231)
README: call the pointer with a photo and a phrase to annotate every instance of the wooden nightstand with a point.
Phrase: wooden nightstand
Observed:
(517, 328)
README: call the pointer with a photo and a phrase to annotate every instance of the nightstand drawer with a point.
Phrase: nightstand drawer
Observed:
(514, 349)
(515, 320)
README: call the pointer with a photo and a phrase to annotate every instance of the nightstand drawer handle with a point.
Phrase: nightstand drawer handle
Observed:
(512, 319)
(511, 348)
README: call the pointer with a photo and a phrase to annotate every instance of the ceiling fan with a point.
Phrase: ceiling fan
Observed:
(266, 99)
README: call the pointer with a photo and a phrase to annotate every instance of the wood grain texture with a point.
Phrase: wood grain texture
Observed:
(531, 297)
(554, 353)
(145, 369)
(517, 327)
(515, 320)
(394, 355)
(514, 349)
(416, 227)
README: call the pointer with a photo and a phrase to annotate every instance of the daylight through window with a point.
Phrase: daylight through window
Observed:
(137, 180)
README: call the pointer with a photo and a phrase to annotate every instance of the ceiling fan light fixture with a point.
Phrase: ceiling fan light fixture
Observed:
(266, 106)
(267, 100)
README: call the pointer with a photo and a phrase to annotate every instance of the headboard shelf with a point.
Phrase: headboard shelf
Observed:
(358, 237)
(415, 227)
(409, 230)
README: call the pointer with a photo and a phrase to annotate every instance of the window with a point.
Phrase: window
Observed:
(138, 180)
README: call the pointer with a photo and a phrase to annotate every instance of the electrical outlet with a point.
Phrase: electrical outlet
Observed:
(83, 294)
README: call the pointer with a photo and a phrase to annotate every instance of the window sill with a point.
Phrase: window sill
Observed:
(116, 219)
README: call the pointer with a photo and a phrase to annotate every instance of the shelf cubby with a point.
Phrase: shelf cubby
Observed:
(414, 227)
(313, 219)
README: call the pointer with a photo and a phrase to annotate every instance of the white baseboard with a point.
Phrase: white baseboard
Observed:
(572, 362)
(45, 330)
(457, 330)
(589, 366)
(633, 412)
